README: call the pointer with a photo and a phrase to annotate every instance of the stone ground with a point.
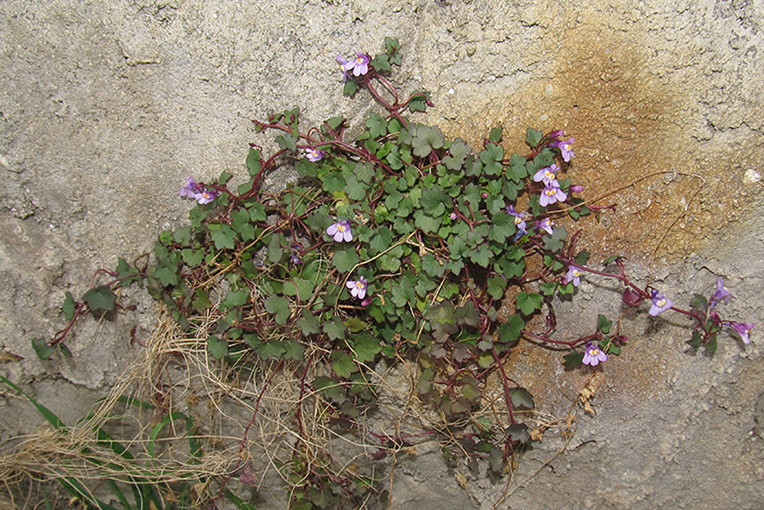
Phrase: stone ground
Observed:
(105, 108)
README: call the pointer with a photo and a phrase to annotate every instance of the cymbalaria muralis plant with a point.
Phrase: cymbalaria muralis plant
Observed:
(400, 244)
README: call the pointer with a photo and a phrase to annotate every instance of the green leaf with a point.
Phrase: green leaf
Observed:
(167, 273)
(68, 306)
(240, 222)
(426, 139)
(345, 258)
(418, 101)
(548, 288)
(275, 251)
(271, 350)
(294, 350)
(287, 142)
(556, 241)
(253, 162)
(334, 329)
(236, 298)
(381, 62)
(521, 398)
(100, 298)
(518, 432)
(603, 325)
(511, 330)
(432, 266)
(711, 345)
(699, 302)
(42, 349)
(376, 123)
(350, 88)
(278, 306)
(423, 385)
(574, 359)
(495, 134)
(308, 323)
(533, 137)
(528, 303)
(224, 238)
(343, 364)
(697, 339)
(496, 286)
(191, 257)
(124, 269)
(426, 222)
(217, 347)
(366, 347)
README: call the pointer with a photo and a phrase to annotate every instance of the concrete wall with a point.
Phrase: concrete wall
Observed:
(105, 107)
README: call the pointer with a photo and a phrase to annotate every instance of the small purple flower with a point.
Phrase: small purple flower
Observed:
(576, 188)
(190, 189)
(340, 231)
(547, 175)
(574, 275)
(453, 216)
(551, 194)
(295, 259)
(744, 330)
(206, 196)
(314, 154)
(564, 146)
(358, 288)
(519, 218)
(721, 293)
(660, 303)
(359, 65)
(593, 355)
(545, 225)
(484, 194)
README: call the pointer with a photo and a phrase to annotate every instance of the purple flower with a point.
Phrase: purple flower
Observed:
(206, 196)
(721, 293)
(190, 189)
(660, 303)
(547, 175)
(743, 330)
(519, 217)
(359, 65)
(576, 188)
(593, 355)
(564, 146)
(453, 216)
(358, 288)
(551, 194)
(545, 225)
(340, 231)
(574, 275)
(314, 154)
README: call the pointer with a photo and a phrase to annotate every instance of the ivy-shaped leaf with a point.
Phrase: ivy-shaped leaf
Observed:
(345, 258)
(334, 329)
(217, 347)
(42, 349)
(521, 398)
(278, 306)
(224, 238)
(100, 298)
(528, 303)
(343, 364)
(236, 298)
(68, 306)
(308, 323)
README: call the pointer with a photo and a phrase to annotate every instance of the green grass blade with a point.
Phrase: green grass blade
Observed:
(47, 413)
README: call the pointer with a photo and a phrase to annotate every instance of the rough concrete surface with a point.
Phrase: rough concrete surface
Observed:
(105, 107)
